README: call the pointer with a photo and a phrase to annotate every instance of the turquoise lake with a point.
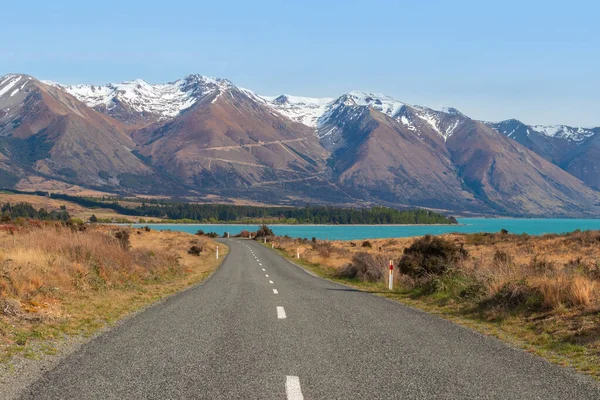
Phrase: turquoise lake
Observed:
(354, 232)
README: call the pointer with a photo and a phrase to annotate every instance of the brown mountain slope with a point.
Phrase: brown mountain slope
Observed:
(382, 159)
(230, 143)
(513, 179)
(574, 149)
(452, 163)
(47, 131)
(584, 161)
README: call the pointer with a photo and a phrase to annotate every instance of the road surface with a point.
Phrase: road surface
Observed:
(262, 328)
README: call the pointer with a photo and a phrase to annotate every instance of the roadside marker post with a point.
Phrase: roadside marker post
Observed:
(391, 279)
(217, 252)
(265, 240)
(298, 253)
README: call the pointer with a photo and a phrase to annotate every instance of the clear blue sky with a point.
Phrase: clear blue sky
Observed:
(538, 61)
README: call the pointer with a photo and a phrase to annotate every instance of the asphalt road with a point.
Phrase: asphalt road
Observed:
(289, 335)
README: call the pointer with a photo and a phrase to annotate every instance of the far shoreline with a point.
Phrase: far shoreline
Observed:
(242, 224)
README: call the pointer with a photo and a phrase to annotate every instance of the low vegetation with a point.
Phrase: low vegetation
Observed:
(126, 210)
(290, 215)
(25, 210)
(60, 279)
(542, 293)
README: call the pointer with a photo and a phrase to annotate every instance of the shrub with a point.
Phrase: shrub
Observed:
(209, 234)
(324, 249)
(541, 265)
(478, 239)
(93, 219)
(264, 231)
(430, 255)
(366, 243)
(364, 267)
(123, 238)
(515, 295)
(585, 238)
(195, 250)
(502, 257)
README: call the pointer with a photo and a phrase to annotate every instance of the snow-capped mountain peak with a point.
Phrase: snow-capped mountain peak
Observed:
(319, 112)
(377, 101)
(11, 84)
(154, 101)
(564, 132)
(514, 128)
(306, 110)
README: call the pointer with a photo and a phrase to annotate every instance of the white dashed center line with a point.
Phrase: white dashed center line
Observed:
(271, 282)
(292, 388)
(266, 275)
(281, 313)
(264, 270)
(275, 291)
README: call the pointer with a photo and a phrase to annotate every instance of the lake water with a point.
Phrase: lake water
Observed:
(355, 232)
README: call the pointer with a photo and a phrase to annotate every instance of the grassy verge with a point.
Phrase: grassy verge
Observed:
(556, 312)
(57, 281)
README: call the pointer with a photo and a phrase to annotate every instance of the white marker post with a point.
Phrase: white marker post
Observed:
(272, 245)
(265, 240)
(391, 279)
(217, 252)
(297, 253)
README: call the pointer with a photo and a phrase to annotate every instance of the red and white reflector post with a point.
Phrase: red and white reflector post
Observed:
(391, 278)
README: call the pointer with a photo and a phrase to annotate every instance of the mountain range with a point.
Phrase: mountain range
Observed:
(202, 138)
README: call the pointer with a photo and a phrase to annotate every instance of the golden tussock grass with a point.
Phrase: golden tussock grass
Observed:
(565, 268)
(56, 280)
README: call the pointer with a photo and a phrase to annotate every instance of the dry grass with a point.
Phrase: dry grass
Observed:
(33, 183)
(565, 268)
(56, 281)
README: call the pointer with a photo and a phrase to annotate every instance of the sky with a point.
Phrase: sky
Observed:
(537, 61)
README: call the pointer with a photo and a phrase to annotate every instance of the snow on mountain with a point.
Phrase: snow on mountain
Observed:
(318, 112)
(9, 84)
(162, 100)
(564, 132)
(517, 130)
(377, 101)
(305, 110)
(165, 101)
